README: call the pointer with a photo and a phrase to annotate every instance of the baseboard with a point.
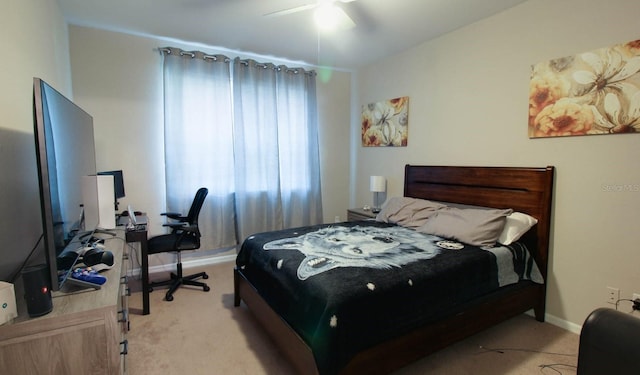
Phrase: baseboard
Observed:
(566, 325)
(209, 261)
(569, 326)
(186, 264)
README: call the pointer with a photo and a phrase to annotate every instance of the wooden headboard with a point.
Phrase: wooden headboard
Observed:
(527, 190)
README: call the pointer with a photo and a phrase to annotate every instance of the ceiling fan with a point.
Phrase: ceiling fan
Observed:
(328, 14)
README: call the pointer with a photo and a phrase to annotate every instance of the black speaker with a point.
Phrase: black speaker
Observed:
(37, 290)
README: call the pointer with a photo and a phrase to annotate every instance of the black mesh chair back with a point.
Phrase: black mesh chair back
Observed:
(196, 206)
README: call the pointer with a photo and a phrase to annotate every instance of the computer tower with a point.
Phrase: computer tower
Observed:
(37, 290)
(98, 200)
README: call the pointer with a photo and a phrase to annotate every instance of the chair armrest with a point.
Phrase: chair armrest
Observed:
(183, 227)
(189, 228)
(174, 216)
(185, 232)
(175, 225)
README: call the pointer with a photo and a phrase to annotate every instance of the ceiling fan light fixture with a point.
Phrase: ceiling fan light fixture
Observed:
(326, 16)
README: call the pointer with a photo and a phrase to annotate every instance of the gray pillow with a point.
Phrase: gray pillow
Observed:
(478, 227)
(408, 212)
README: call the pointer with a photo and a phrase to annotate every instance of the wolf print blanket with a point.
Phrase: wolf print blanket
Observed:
(345, 287)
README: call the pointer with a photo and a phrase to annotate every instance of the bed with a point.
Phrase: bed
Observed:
(341, 318)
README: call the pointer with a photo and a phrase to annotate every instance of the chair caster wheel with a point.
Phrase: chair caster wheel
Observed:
(205, 276)
(168, 298)
(206, 288)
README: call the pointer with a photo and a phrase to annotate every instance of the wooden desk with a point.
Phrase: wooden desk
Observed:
(140, 235)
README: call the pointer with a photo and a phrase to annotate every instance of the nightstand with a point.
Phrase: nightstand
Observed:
(355, 214)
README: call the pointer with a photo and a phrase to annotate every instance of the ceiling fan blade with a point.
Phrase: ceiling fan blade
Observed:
(297, 9)
(343, 20)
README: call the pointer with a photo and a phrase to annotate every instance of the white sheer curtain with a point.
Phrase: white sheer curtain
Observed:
(276, 147)
(253, 141)
(198, 133)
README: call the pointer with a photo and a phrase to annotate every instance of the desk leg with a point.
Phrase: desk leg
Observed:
(141, 237)
(145, 276)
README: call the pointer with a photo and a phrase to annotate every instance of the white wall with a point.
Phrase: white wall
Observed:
(334, 106)
(118, 79)
(34, 43)
(468, 106)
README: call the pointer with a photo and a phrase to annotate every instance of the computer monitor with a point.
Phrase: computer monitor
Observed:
(118, 185)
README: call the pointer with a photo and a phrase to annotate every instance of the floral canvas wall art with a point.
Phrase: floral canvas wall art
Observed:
(595, 92)
(385, 123)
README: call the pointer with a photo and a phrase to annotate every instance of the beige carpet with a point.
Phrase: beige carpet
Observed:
(202, 333)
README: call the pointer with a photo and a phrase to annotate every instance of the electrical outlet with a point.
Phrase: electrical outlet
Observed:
(613, 295)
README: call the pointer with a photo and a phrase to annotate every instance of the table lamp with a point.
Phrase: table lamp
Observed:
(377, 185)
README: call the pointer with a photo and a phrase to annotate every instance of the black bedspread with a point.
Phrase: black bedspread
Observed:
(346, 287)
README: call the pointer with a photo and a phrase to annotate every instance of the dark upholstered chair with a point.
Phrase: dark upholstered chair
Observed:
(185, 235)
(609, 343)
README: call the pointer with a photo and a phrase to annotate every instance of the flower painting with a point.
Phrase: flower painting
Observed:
(596, 92)
(385, 123)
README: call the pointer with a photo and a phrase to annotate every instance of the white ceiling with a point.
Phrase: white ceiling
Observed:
(383, 27)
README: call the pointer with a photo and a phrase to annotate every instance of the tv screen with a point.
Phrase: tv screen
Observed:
(65, 152)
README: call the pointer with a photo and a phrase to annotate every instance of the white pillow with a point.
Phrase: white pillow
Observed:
(516, 225)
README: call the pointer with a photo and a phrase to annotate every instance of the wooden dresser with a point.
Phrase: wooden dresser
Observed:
(85, 333)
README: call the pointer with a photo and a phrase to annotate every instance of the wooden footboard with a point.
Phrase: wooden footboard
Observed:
(289, 343)
(527, 190)
(393, 354)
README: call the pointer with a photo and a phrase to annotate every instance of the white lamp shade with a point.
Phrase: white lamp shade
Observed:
(377, 184)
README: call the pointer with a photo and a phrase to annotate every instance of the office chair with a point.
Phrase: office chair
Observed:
(185, 235)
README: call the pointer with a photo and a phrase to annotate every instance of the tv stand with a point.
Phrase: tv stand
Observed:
(96, 231)
(92, 238)
(85, 331)
(104, 231)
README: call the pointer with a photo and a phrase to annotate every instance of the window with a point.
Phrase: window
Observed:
(250, 137)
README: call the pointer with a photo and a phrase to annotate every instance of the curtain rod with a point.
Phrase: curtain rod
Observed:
(246, 62)
(194, 54)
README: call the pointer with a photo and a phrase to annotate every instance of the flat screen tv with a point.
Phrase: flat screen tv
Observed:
(65, 152)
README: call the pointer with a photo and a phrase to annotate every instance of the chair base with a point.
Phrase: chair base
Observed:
(177, 280)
